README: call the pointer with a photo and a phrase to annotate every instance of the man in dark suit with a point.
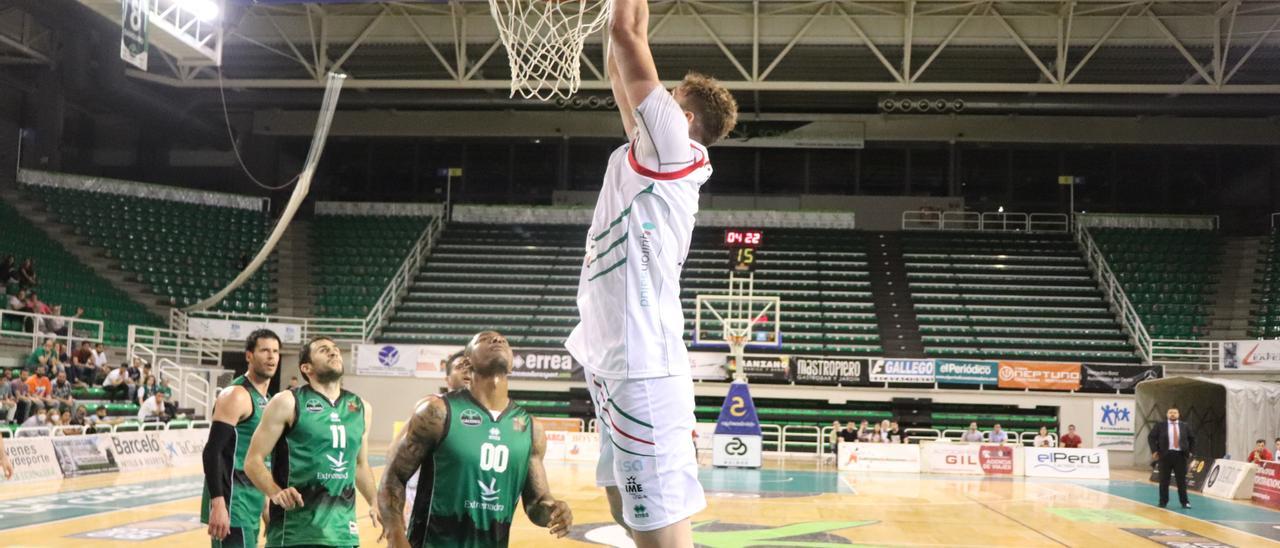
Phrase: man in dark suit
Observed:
(1172, 443)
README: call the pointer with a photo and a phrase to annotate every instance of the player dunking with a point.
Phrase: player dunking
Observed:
(317, 435)
(231, 505)
(631, 334)
(476, 450)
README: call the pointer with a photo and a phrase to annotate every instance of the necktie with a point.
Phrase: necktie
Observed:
(1175, 437)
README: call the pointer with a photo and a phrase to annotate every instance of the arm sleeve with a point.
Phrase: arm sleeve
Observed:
(662, 133)
(217, 458)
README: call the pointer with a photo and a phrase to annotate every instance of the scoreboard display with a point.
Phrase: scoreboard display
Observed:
(742, 244)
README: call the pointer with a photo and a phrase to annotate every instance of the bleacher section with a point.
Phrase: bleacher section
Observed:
(183, 252)
(1168, 276)
(360, 254)
(65, 280)
(1009, 295)
(1265, 301)
(522, 280)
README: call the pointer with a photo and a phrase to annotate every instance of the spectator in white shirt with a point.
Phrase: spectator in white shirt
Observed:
(153, 409)
(100, 356)
(118, 384)
(1043, 439)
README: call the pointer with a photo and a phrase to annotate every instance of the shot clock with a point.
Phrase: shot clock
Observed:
(742, 244)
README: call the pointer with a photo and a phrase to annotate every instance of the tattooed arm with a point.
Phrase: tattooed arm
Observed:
(421, 436)
(543, 509)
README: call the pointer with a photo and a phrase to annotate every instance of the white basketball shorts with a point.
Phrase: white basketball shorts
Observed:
(646, 448)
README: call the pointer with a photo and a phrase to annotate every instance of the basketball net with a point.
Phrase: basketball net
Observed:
(544, 42)
(737, 347)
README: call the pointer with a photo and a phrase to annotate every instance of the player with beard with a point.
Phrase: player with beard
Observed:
(458, 376)
(317, 435)
(231, 505)
(479, 447)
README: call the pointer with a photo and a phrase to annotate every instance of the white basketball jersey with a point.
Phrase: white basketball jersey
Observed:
(631, 322)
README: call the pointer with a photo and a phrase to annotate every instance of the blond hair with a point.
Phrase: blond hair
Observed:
(715, 111)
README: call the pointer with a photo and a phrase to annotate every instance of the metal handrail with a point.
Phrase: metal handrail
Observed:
(1114, 292)
(403, 278)
(809, 435)
(771, 434)
(175, 345)
(910, 437)
(77, 328)
(991, 221)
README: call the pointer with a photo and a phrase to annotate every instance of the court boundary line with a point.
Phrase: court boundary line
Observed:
(1018, 521)
(1171, 511)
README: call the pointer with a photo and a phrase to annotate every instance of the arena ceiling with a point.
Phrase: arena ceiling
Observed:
(787, 54)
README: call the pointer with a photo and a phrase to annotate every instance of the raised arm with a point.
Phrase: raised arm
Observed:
(421, 436)
(275, 418)
(625, 108)
(542, 508)
(629, 50)
(364, 475)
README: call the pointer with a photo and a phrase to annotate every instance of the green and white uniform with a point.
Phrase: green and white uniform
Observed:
(244, 501)
(317, 456)
(469, 488)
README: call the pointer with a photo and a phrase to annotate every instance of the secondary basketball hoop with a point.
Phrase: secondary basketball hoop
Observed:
(544, 41)
(738, 317)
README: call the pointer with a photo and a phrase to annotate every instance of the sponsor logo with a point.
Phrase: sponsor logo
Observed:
(353, 405)
(495, 434)
(489, 493)
(960, 459)
(640, 511)
(633, 487)
(646, 252)
(388, 356)
(738, 408)
(337, 465)
(543, 362)
(333, 417)
(1254, 357)
(135, 446)
(1062, 462)
(736, 447)
(352, 528)
(470, 417)
(313, 406)
(1213, 476)
(632, 466)
(519, 423)
(1025, 375)
(1113, 414)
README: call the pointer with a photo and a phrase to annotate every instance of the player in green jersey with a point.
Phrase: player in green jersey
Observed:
(231, 505)
(317, 435)
(481, 449)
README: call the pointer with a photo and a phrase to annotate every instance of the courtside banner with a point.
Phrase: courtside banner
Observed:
(968, 459)
(1266, 484)
(1110, 378)
(831, 372)
(583, 446)
(738, 413)
(1197, 472)
(708, 366)
(766, 368)
(1050, 462)
(544, 363)
(32, 459)
(1230, 479)
(402, 360)
(184, 447)
(967, 371)
(138, 450)
(1040, 375)
(238, 330)
(555, 446)
(1243, 355)
(82, 455)
(906, 371)
(878, 457)
(1113, 426)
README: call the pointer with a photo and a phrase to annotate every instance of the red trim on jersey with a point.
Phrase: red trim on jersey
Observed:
(668, 176)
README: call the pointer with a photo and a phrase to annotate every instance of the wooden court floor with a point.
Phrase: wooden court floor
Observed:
(789, 503)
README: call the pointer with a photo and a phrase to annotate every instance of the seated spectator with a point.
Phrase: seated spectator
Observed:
(27, 405)
(135, 370)
(62, 392)
(998, 436)
(147, 389)
(1260, 453)
(99, 416)
(118, 384)
(27, 277)
(8, 403)
(40, 419)
(57, 324)
(8, 271)
(153, 409)
(834, 441)
(864, 433)
(877, 435)
(42, 389)
(64, 419)
(972, 435)
(1043, 439)
(40, 356)
(18, 302)
(1071, 439)
(293, 383)
(896, 435)
(81, 417)
(100, 358)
